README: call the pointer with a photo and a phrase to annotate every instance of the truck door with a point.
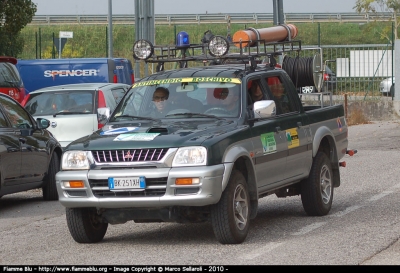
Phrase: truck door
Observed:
(269, 146)
(290, 122)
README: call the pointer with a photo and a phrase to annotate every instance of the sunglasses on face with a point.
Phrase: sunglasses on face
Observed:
(157, 98)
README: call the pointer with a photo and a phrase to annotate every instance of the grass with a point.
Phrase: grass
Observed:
(91, 40)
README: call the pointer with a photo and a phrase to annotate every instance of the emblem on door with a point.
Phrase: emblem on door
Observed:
(54, 124)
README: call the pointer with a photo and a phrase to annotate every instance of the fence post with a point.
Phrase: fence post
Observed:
(40, 43)
(345, 105)
(106, 42)
(53, 52)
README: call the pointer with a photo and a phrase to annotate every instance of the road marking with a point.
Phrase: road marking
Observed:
(344, 212)
(262, 251)
(309, 228)
(379, 196)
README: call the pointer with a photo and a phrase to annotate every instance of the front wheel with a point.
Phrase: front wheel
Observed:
(85, 225)
(230, 216)
(317, 189)
(49, 188)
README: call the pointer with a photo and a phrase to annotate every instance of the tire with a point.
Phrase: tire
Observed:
(317, 189)
(230, 217)
(307, 89)
(85, 225)
(49, 187)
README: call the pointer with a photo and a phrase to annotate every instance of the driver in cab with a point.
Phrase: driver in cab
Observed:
(161, 103)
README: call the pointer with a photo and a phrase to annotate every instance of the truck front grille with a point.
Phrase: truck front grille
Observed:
(155, 187)
(131, 155)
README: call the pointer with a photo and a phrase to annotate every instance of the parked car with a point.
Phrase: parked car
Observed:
(72, 108)
(386, 87)
(328, 85)
(10, 79)
(29, 154)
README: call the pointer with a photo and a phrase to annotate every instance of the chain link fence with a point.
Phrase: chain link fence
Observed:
(359, 61)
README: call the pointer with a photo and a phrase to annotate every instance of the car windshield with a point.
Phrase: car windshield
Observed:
(50, 103)
(181, 98)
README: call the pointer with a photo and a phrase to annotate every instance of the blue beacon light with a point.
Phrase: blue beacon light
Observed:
(182, 40)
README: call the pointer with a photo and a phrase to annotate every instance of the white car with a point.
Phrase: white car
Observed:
(72, 109)
(386, 87)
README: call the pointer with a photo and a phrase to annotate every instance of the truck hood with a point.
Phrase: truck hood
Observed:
(154, 134)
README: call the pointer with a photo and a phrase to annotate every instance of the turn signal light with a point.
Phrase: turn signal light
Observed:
(187, 181)
(74, 184)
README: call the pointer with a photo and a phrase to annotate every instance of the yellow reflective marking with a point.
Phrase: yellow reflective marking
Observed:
(194, 79)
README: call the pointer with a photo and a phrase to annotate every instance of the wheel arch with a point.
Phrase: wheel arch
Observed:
(325, 142)
(242, 162)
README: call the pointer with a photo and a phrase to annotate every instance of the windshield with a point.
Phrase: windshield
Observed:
(181, 97)
(50, 103)
(9, 76)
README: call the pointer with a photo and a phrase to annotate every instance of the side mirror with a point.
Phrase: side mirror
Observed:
(103, 114)
(42, 123)
(264, 109)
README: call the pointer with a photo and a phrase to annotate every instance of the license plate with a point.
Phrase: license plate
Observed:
(127, 183)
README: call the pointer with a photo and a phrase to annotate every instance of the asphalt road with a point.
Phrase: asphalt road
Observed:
(363, 227)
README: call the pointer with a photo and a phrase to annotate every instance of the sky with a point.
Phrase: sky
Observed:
(96, 7)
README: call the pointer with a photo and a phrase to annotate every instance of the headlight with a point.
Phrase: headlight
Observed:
(75, 160)
(190, 156)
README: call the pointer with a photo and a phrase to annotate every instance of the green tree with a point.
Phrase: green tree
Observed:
(14, 16)
(375, 6)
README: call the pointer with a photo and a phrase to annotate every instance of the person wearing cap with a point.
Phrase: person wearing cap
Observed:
(229, 99)
(278, 90)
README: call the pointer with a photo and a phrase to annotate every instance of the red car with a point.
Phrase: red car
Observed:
(10, 80)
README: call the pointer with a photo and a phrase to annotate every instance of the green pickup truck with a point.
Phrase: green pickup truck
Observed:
(203, 143)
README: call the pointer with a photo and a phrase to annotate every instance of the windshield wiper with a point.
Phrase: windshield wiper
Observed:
(193, 114)
(134, 117)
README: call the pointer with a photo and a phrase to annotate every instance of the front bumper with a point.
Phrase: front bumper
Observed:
(161, 190)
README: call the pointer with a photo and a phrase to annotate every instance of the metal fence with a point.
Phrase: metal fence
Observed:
(359, 68)
(217, 18)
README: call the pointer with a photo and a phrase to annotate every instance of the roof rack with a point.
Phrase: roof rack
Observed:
(206, 51)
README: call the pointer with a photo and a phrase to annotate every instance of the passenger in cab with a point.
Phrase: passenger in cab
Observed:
(279, 96)
(229, 99)
(256, 93)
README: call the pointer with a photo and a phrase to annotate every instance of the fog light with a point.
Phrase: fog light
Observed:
(187, 181)
(142, 50)
(218, 46)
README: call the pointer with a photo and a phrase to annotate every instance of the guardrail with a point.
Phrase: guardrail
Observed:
(217, 18)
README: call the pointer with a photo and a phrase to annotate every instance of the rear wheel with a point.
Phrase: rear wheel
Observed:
(49, 182)
(317, 189)
(85, 225)
(230, 217)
